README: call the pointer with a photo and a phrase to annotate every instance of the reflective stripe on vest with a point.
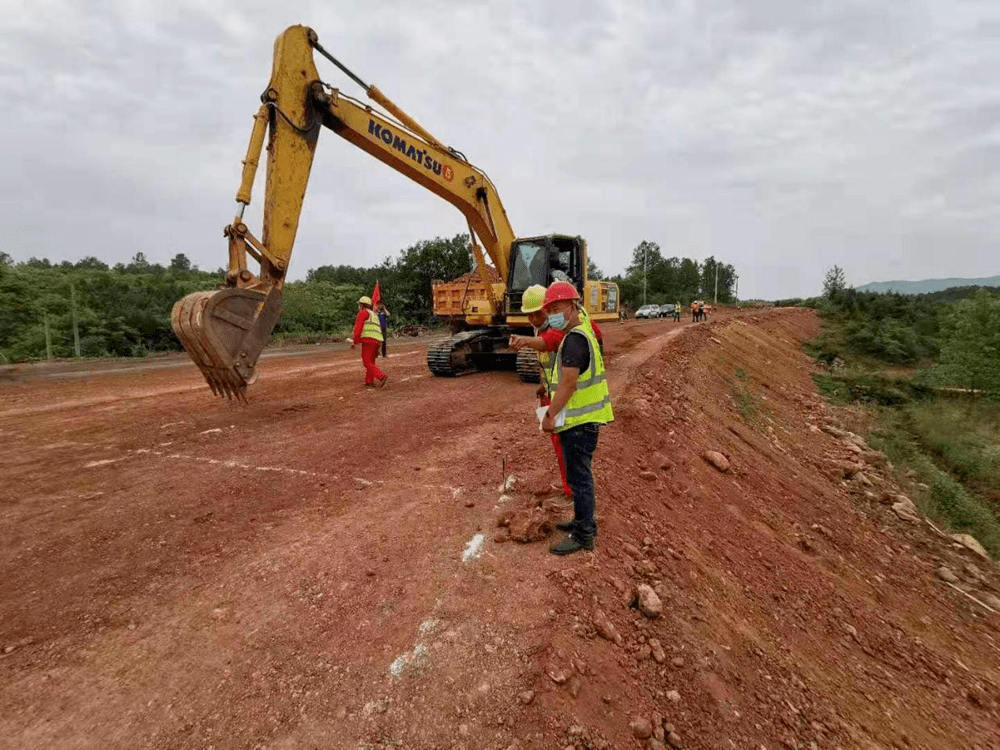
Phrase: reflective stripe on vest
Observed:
(372, 328)
(590, 402)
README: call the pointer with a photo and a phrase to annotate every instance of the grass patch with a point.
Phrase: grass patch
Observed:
(947, 500)
(746, 402)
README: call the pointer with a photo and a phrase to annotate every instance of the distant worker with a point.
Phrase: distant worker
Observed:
(580, 405)
(545, 341)
(383, 322)
(677, 312)
(694, 311)
(701, 310)
(368, 333)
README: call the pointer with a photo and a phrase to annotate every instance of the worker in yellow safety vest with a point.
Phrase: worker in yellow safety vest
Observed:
(368, 333)
(580, 404)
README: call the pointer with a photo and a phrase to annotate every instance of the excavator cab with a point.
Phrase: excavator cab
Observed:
(543, 260)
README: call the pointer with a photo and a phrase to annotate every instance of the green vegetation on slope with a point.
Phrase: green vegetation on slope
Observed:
(939, 420)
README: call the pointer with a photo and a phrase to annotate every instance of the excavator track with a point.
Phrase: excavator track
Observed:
(528, 368)
(453, 357)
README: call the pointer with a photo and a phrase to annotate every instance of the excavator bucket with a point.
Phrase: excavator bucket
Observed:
(224, 332)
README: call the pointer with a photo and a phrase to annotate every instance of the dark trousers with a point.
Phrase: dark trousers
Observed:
(578, 445)
(385, 338)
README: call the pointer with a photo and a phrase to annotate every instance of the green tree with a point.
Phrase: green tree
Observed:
(689, 280)
(834, 282)
(970, 351)
(593, 272)
(90, 262)
(180, 263)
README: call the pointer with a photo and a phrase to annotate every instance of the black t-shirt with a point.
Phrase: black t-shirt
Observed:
(576, 351)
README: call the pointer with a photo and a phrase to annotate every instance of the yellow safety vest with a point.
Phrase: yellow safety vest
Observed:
(590, 402)
(546, 359)
(372, 328)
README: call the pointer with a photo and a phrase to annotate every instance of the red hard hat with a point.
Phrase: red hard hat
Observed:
(560, 290)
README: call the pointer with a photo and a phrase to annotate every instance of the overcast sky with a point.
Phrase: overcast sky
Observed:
(778, 135)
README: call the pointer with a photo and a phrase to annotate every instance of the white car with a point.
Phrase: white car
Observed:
(648, 311)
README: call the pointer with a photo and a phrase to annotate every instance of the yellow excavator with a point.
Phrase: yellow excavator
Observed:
(225, 330)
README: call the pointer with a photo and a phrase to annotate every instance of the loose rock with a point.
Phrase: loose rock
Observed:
(649, 603)
(648, 476)
(673, 696)
(659, 656)
(642, 728)
(717, 460)
(558, 673)
(947, 574)
(675, 740)
(970, 542)
(527, 697)
(530, 526)
(906, 510)
(605, 628)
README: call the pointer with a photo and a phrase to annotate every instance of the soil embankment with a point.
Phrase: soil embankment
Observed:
(324, 568)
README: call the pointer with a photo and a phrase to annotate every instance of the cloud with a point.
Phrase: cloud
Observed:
(782, 137)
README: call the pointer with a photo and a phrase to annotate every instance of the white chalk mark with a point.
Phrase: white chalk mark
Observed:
(103, 462)
(230, 464)
(401, 662)
(473, 548)
(214, 429)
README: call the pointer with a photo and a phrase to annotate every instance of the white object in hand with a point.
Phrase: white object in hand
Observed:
(559, 421)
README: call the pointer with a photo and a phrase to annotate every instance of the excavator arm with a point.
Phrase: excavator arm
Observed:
(224, 331)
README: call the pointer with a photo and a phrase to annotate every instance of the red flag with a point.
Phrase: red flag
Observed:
(376, 295)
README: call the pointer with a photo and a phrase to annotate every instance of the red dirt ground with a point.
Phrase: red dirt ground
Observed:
(182, 572)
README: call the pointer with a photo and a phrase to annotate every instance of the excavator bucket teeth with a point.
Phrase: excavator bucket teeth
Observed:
(224, 333)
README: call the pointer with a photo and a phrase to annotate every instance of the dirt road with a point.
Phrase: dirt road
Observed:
(320, 569)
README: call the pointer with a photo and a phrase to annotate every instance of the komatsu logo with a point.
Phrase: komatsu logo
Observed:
(410, 151)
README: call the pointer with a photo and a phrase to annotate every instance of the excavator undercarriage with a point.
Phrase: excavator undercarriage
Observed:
(477, 350)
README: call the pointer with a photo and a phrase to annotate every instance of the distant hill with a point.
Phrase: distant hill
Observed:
(927, 285)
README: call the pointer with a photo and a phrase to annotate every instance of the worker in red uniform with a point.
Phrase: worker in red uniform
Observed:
(368, 333)
(545, 341)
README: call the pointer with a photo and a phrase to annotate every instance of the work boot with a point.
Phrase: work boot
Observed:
(380, 382)
(571, 544)
(567, 526)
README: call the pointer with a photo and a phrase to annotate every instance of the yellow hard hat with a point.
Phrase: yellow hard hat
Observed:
(533, 299)
(365, 300)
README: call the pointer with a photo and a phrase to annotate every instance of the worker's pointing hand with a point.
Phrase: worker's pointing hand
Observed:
(517, 342)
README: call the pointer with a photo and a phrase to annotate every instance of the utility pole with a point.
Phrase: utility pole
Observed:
(644, 274)
(76, 329)
(715, 302)
(737, 291)
(48, 338)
